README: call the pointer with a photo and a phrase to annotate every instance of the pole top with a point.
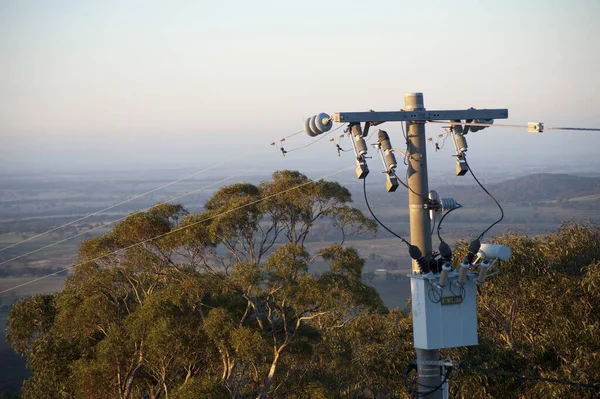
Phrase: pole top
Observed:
(413, 102)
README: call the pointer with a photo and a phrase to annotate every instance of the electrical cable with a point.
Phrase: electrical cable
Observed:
(408, 188)
(114, 205)
(458, 206)
(433, 227)
(491, 196)
(372, 132)
(292, 135)
(132, 199)
(588, 129)
(478, 124)
(417, 394)
(437, 298)
(174, 230)
(375, 217)
(406, 140)
(317, 140)
(528, 377)
(118, 220)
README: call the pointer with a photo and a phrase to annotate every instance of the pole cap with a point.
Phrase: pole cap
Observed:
(414, 102)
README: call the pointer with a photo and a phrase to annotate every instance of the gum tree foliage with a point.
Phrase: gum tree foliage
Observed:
(215, 304)
(540, 316)
(226, 307)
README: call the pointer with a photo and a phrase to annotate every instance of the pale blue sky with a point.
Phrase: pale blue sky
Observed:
(110, 84)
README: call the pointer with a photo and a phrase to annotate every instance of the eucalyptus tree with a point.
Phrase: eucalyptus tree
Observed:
(219, 303)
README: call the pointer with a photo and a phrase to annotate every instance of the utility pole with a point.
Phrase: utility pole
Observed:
(428, 375)
(443, 298)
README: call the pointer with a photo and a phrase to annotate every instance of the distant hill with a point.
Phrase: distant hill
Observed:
(532, 189)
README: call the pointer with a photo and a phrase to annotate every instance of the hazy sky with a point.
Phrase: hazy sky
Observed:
(116, 84)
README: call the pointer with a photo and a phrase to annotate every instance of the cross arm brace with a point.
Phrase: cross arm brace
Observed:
(422, 116)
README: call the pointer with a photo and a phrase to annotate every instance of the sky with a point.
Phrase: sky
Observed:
(123, 85)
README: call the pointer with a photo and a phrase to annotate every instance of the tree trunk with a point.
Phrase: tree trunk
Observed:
(127, 391)
(270, 377)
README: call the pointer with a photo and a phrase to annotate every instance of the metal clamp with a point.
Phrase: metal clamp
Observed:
(442, 362)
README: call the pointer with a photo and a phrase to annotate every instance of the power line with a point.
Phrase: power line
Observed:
(122, 203)
(589, 129)
(315, 141)
(175, 230)
(117, 220)
(113, 206)
(292, 135)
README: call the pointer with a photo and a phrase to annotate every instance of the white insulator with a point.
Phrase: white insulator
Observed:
(308, 129)
(462, 276)
(446, 267)
(318, 124)
(323, 122)
(494, 251)
(448, 204)
(313, 125)
(485, 265)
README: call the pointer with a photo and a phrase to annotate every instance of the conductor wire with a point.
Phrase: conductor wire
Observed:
(117, 220)
(174, 231)
(317, 140)
(113, 206)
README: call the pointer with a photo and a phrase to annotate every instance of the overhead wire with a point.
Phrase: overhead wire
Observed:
(292, 135)
(181, 228)
(118, 220)
(114, 205)
(588, 129)
(122, 203)
(317, 140)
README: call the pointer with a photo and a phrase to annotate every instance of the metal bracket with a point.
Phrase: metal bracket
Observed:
(442, 363)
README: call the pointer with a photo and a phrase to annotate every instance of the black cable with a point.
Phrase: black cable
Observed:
(407, 187)
(442, 219)
(375, 217)
(491, 196)
(371, 134)
(437, 297)
(418, 394)
(529, 377)
(406, 140)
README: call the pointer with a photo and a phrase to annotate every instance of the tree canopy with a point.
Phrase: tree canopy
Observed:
(214, 304)
(222, 304)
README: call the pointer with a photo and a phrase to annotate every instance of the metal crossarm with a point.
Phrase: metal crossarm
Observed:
(424, 116)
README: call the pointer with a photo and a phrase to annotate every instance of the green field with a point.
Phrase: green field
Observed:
(47, 285)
